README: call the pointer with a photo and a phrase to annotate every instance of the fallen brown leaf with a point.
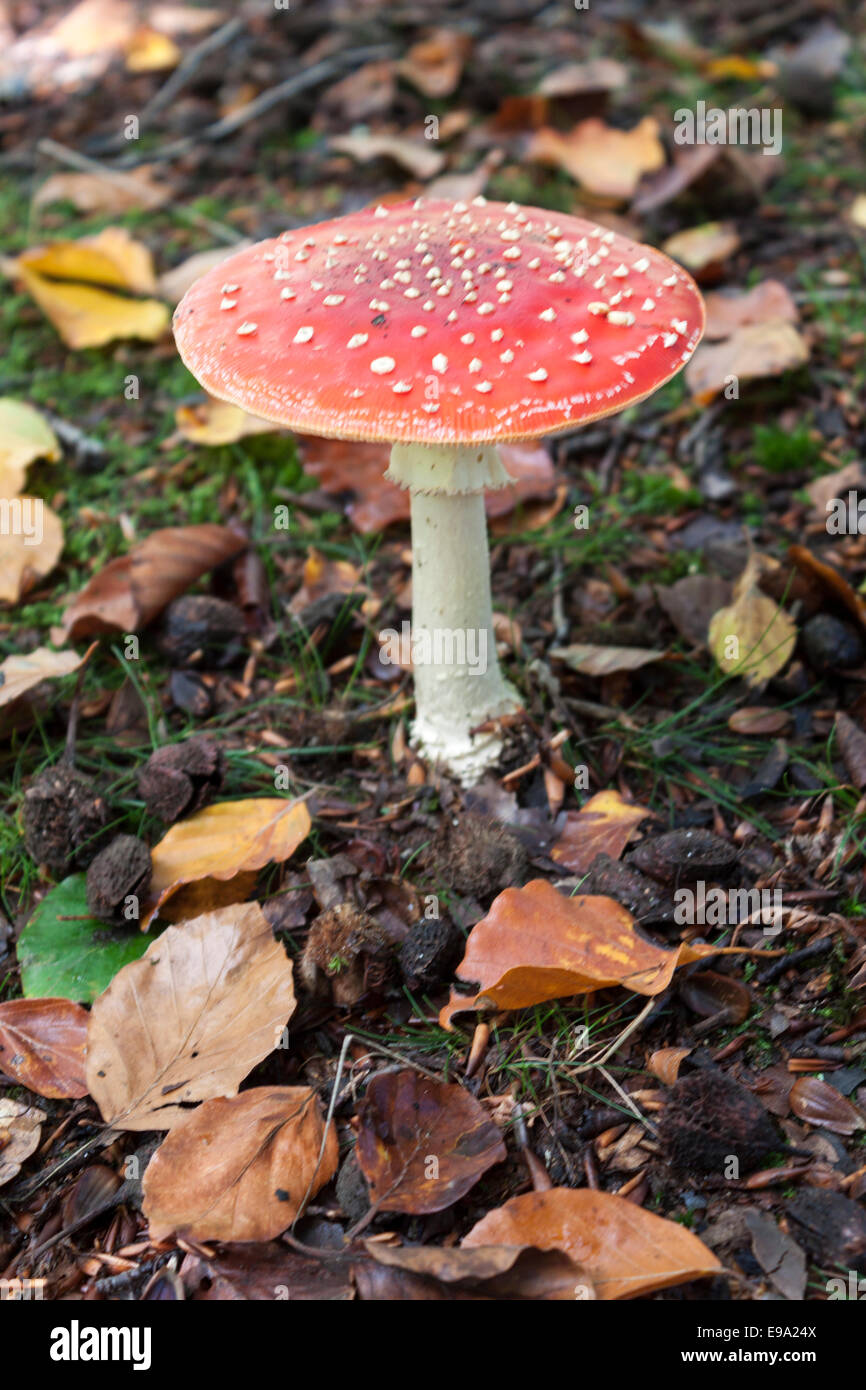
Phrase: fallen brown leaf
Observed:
(691, 602)
(417, 157)
(852, 746)
(434, 65)
(607, 162)
(536, 944)
(751, 353)
(592, 660)
(820, 1104)
(704, 250)
(627, 1251)
(422, 1144)
(487, 1271)
(665, 1063)
(768, 302)
(240, 1169)
(829, 582)
(133, 589)
(604, 825)
(42, 1045)
(343, 466)
(205, 1003)
(100, 193)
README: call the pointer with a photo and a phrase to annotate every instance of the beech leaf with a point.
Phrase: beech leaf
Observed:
(240, 1168)
(626, 1251)
(206, 1003)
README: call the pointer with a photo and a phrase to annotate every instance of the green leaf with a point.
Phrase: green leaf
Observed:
(73, 960)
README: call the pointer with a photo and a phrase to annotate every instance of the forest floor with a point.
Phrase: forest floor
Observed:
(732, 1101)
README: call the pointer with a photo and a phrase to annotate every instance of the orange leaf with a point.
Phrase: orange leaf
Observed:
(536, 944)
(240, 1168)
(603, 826)
(626, 1250)
(42, 1043)
(222, 841)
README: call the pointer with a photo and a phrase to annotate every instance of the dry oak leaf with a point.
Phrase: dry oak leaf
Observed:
(536, 944)
(18, 674)
(24, 437)
(205, 1003)
(604, 825)
(20, 1131)
(42, 1045)
(488, 1271)
(753, 637)
(31, 543)
(767, 302)
(133, 589)
(240, 1168)
(626, 1251)
(421, 1143)
(227, 839)
(609, 163)
(758, 350)
(68, 281)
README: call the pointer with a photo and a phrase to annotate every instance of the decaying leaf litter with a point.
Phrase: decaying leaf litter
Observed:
(428, 1041)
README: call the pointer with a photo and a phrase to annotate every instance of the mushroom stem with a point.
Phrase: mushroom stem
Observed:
(458, 683)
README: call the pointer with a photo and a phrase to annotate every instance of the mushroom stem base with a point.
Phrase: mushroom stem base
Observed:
(458, 683)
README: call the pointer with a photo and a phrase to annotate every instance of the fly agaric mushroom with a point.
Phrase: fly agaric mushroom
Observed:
(443, 329)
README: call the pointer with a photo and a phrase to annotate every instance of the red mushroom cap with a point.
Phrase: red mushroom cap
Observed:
(440, 323)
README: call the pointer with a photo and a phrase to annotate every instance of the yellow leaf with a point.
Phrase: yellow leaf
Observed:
(24, 437)
(110, 258)
(31, 543)
(88, 317)
(754, 637)
(230, 838)
(215, 422)
(150, 51)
